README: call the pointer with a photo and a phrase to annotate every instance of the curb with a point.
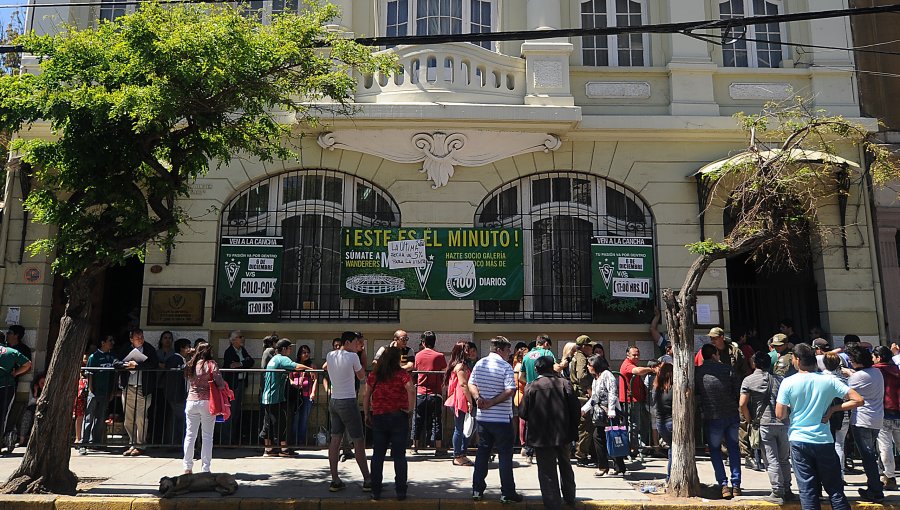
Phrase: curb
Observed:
(53, 502)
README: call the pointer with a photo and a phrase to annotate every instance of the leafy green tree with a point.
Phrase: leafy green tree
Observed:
(140, 107)
(772, 194)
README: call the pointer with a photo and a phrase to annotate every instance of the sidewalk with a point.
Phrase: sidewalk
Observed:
(113, 482)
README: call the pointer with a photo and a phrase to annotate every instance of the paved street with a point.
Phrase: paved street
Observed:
(105, 474)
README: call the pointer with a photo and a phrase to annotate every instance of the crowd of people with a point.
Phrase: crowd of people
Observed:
(790, 407)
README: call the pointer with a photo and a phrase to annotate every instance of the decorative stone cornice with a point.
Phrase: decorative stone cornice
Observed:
(439, 151)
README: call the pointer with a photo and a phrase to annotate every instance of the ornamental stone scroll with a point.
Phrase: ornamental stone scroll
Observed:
(439, 151)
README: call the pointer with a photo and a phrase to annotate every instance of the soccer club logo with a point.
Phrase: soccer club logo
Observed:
(232, 268)
(606, 271)
(422, 273)
(461, 279)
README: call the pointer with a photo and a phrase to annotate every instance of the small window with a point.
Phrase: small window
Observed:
(613, 50)
(760, 45)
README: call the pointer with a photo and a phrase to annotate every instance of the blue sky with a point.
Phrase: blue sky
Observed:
(6, 12)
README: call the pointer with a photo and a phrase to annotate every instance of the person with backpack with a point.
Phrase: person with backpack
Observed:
(759, 392)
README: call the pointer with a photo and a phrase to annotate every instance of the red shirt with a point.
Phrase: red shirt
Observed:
(389, 396)
(428, 360)
(638, 391)
(891, 375)
(698, 359)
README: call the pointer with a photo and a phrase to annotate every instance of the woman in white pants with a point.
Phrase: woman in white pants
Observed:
(201, 372)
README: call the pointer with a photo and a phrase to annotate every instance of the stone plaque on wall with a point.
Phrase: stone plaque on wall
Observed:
(176, 307)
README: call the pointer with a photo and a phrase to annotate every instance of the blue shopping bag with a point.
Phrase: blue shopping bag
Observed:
(617, 441)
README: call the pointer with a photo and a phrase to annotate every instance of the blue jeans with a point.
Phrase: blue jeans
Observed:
(389, 429)
(665, 432)
(301, 420)
(459, 439)
(867, 442)
(724, 429)
(816, 467)
(500, 436)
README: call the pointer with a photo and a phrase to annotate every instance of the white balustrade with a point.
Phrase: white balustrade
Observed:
(453, 73)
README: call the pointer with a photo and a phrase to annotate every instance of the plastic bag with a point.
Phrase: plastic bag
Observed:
(321, 437)
(469, 425)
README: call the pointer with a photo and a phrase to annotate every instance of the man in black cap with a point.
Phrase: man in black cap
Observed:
(550, 401)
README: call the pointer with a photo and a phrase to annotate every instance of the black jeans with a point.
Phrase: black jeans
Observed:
(391, 429)
(274, 422)
(549, 459)
(428, 425)
(7, 396)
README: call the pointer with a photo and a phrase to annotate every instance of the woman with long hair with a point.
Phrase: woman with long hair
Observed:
(661, 400)
(201, 372)
(389, 397)
(305, 383)
(604, 404)
(456, 379)
(519, 375)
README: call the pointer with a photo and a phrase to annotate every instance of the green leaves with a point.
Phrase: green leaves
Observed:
(140, 106)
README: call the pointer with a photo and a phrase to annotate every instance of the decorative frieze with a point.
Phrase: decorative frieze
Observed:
(439, 151)
(617, 89)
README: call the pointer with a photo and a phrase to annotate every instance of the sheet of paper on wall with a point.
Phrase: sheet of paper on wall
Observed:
(704, 313)
(406, 254)
(136, 356)
(12, 315)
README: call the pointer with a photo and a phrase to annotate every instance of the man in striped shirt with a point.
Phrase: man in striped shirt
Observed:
(492, 385)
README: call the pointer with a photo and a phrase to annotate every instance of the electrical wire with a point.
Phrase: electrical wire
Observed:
(685, 28)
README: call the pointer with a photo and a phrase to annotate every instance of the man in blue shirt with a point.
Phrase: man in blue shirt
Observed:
(807, 397)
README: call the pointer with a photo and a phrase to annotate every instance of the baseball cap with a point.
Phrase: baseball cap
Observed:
(821, 343)
(283, 344)
(714, 332)
(779, 339)
(583, 340)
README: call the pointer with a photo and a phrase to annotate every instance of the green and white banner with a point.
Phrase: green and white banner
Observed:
(432, 263)
(622, 279)
(249, 280)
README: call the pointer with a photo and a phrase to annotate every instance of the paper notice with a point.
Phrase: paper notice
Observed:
(406, 254)
(704, 313)
(12, 315)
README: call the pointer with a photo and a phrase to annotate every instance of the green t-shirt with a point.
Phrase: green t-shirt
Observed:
(10, 359)
(529, 359)
(273, 386)
(102, 379)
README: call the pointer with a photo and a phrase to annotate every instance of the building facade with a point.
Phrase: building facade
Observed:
(563, 144)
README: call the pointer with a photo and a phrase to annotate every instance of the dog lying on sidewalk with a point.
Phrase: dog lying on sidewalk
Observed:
(223, 483)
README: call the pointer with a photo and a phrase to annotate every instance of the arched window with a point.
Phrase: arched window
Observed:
(308, 208)
(439, 17)
(614, 50)
(559, 214)
(760, 45)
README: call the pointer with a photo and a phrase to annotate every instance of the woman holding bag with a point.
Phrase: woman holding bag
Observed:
(604, 405)
(456, 379)
(201, 372)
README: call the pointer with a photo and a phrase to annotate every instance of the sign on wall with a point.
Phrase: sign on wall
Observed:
(622, 279)
(432, 263)
(176, 307)
(249, 279)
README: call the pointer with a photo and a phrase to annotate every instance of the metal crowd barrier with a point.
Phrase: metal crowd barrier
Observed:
(157, 418)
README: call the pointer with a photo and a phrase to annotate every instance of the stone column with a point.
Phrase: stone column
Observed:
(690, 66)
(546, 61)
(889, 221)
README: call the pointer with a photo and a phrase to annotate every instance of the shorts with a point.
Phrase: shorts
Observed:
(345, 417)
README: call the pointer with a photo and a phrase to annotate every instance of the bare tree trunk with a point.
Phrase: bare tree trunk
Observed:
(45, 467)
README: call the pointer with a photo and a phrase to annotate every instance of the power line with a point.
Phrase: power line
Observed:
(684, 28)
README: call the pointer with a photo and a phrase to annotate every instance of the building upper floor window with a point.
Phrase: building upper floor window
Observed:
(614, 50)
(111, 10)
(437, 17)
(760, 45)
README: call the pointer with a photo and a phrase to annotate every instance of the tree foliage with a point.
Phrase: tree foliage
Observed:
(138, 108)
(140, 105)
(773, 194)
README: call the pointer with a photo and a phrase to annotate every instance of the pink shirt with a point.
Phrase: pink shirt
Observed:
(198, 386)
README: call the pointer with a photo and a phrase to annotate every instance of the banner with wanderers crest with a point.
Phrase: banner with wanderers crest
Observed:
(432, 263)
(623, 279)
(249, 279)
